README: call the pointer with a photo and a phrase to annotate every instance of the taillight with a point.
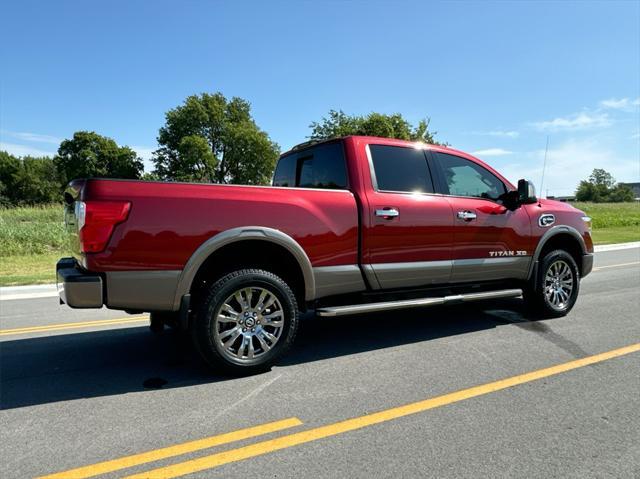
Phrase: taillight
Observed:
(96, 220)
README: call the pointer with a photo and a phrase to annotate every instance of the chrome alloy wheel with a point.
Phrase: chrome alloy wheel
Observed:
(558, 285)
(248, 324)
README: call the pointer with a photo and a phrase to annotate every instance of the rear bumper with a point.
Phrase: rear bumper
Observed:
(78, 288)
(126, 290)
(587, 264)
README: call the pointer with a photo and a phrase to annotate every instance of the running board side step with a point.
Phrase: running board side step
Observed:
(416, 303)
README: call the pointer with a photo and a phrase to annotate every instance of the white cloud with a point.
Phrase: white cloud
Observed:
(33, 137)
(500, 133)
(620, 104)
(23, 150)
(570, 162)
(578, 121)
(492, 152)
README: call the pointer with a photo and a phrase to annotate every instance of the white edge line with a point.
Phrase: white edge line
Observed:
(9, 297)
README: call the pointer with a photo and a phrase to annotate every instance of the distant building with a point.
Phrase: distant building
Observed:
(635, 187)
(564, 199)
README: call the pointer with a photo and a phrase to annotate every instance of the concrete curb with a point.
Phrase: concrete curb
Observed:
(28, 292)
(615, 247)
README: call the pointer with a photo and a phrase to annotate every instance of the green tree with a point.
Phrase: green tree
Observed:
(621, 193)
(601, 187)
(28, 180)
(338, 123)
(9, 167)
(37, 181)
(211, 139)
(89, 155)
(150, 176)
(587, 192)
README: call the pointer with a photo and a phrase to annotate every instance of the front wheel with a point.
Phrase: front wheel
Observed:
(553, 291)
(247, 320)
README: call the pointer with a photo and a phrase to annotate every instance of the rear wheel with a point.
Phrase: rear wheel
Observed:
(247, 320)
(554, 289)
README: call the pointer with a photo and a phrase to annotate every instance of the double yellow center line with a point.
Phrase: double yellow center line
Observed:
(314, 434)
(171, 451)
(77, 325)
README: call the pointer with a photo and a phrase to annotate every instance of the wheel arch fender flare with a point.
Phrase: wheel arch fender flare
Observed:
(549, 234)
(242, 233)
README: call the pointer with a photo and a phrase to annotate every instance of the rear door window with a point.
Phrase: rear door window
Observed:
(401, 169)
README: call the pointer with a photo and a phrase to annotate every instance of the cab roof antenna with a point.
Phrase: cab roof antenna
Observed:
(544, 167)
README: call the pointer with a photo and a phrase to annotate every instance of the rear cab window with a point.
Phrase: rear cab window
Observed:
(322, 166)
(400, 169)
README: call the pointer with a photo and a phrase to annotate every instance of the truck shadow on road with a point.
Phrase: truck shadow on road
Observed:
(85, 365)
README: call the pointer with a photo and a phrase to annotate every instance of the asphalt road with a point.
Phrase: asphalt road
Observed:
(78, 396)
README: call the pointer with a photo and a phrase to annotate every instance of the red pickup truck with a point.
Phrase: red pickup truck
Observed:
(350, 225)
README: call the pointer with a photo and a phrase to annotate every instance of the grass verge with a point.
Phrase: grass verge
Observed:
(32, 239)
(35, 269)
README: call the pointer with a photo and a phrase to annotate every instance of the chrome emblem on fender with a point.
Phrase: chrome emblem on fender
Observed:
(546, 220)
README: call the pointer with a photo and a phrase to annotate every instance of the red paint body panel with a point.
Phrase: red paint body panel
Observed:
(422, 232)
(565, 215)
(496, 228)
(169, 221)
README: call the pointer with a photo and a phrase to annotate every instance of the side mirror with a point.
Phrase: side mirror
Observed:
(526, 192)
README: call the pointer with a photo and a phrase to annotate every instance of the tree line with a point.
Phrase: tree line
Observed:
(209, 138)
(601, 187)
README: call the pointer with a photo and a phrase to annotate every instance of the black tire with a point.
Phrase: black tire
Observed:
(205, 329)
(545, 302)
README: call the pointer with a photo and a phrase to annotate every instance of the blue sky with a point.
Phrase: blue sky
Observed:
(495, 78)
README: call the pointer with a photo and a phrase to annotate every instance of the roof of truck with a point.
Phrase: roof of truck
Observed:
(308, 144)
(396, 141)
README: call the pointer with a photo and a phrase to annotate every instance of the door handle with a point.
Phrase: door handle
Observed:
(387, 213)
(467, 215)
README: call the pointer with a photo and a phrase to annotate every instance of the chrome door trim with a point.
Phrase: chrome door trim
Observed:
(466, 215)
(387, 213)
